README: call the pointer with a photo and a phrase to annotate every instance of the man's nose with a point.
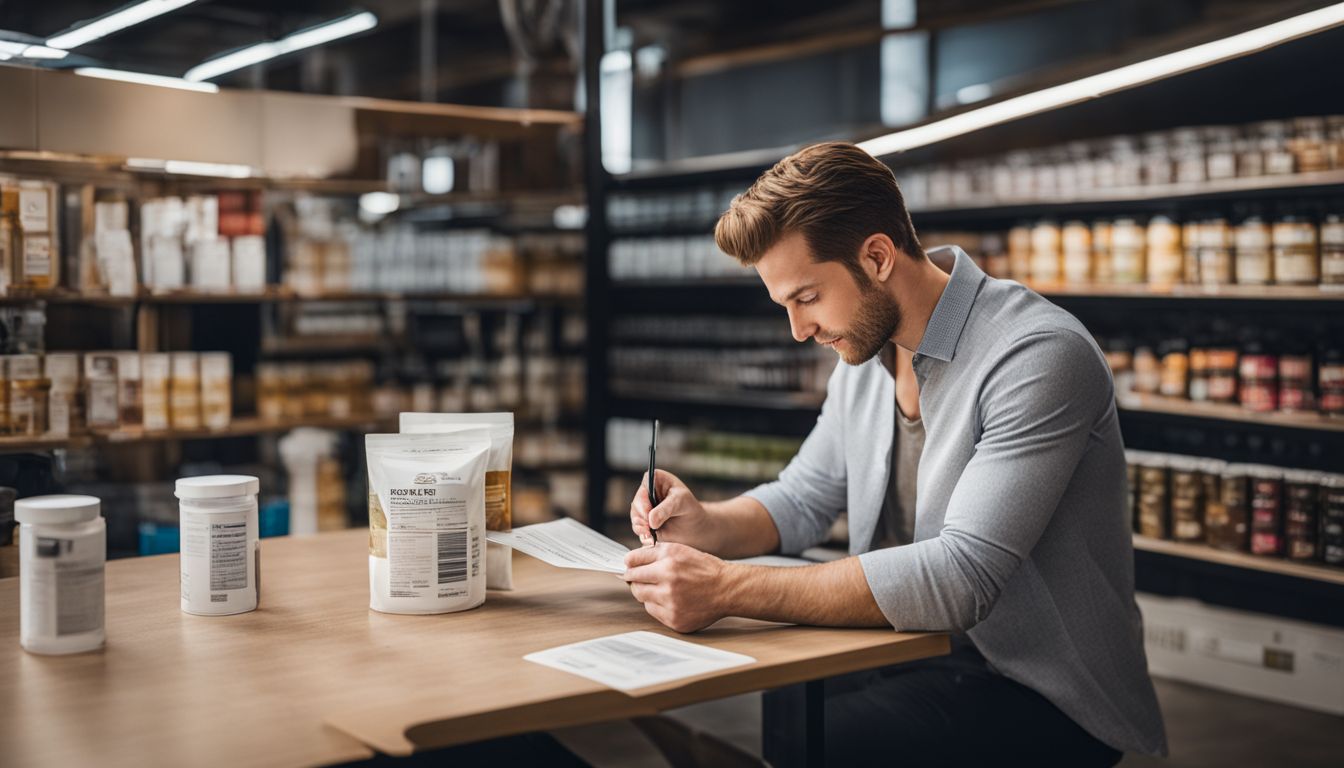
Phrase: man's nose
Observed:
(802, 329)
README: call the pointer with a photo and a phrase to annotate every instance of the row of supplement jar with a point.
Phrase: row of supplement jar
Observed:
(63, 556)
(1255, 508)
(1290, 250)
(1255, 374)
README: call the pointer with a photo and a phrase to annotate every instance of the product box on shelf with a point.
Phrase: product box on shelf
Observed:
(1266, 657)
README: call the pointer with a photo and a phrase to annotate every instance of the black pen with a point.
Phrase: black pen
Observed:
(653, 490)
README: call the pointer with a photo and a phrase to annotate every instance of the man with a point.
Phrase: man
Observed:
(1021, 543)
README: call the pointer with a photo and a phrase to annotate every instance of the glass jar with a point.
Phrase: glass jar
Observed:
(1330, 377)
(1301, 514)
(1133, 459)
(1266, 511)
(1332, 519)
(1147, 371)
(1274, 147)
(1296, 257)
(1199, 374)
(1046, 262)
(1220, 148)
(1127, 251)
(1166, 263)
(1258, 373)
(1332, 250)
(1175, 364)
(1187, 500)
(1222, 374)
(1211, 494)
(1152, 501)
(1103, 268)
(184, 391)
(1295, 383)
(1215, 253)
(1190, 239)
(1019, 253)
(1309, 145)
(1230, 530)
(1077, 244)
(1254, 259)
(62, 558)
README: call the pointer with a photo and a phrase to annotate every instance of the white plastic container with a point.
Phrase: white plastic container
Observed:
(221, 556)
(62, 553)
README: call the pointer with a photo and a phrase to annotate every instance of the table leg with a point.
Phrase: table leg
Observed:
(794, 727)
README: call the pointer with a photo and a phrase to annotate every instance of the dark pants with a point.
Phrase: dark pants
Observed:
(951, 710)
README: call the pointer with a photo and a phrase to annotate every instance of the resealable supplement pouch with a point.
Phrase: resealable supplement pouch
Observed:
(498, 478)
(427, 521)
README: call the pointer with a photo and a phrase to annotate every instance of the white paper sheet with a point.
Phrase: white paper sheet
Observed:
(565, 543)
(637, 659)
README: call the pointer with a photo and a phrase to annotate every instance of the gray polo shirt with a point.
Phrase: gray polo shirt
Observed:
(1021, 538)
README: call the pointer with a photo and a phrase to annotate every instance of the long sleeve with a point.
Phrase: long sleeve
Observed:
(811, 491)
(1037, 408)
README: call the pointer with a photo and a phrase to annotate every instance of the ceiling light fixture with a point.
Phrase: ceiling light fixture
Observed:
(146, 79)
(115, 21)
(191, 167)
(1108, 82)
(254, 54)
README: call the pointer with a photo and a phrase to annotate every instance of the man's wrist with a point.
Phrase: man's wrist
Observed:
(733, 590)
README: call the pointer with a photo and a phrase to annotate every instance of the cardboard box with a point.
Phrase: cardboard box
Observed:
(1251, 654)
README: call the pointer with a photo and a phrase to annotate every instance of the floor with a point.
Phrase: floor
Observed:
(1204, 727)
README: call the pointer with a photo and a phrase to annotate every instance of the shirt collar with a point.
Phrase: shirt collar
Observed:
(954, 306)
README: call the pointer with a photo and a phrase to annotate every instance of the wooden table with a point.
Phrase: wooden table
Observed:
(315, 678)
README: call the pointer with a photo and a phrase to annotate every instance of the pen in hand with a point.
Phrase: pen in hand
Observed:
(653, 490)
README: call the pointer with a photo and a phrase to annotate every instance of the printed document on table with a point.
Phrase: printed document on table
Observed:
(637, 659)
(565, 543)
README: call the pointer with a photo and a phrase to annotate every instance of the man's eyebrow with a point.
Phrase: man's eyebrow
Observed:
(794, 294)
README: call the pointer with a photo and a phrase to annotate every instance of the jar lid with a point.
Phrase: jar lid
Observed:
(1266, 472)
(57, 508)
(217, 486)
(1212, 466)
(1302, 476)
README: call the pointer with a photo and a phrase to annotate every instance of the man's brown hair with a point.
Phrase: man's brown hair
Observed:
(834, 194)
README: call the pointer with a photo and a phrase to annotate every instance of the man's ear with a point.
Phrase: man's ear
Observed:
(878, 256)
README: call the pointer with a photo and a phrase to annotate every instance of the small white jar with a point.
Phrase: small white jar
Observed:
(221, 557)
(62, 554)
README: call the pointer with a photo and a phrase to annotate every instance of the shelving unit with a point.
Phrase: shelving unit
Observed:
(413, 337)
(1279, 566)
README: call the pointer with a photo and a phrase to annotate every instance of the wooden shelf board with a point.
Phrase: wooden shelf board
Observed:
(1315, 181)
(1141, 403)
(1183, 291)
(1208, 554)
(279, 294)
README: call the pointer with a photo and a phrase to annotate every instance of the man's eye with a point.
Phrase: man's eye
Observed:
(809, 300)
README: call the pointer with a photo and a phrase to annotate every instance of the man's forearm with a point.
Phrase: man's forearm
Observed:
(832, 594)
(740, 528)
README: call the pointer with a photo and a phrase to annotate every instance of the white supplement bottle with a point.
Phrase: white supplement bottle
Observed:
(221, 557)
(62, 551)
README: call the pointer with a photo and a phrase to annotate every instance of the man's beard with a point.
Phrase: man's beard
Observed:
(876, 321)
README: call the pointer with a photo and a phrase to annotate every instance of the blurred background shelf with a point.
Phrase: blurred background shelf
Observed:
(1279, 566)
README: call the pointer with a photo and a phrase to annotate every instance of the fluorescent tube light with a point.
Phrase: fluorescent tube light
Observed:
(190, 167)
(146, 79)
(1112, 81)
(9, 49)
(254, 54)
(118, 20)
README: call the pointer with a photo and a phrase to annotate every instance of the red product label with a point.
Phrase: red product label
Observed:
(1265, 544)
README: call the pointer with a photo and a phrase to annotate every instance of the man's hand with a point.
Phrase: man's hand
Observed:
(679, 586)
(679, 516)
